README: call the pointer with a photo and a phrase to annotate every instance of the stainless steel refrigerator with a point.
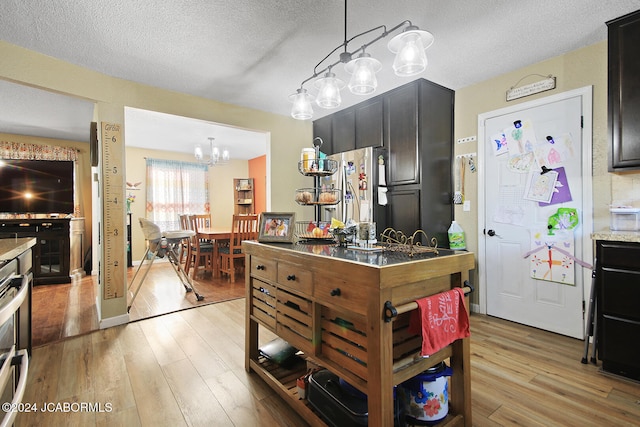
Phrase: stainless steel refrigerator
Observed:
(358, 181)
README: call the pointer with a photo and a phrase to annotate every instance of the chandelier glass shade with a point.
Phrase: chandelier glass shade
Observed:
(409, 48)
(363, 71)
(217, 156)
(329, 88)
(410, 59)
(301, 109)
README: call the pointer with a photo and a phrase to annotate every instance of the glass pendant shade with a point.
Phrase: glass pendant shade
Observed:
(329, 91)
(409, 48)
(301, 109)
(363, 71)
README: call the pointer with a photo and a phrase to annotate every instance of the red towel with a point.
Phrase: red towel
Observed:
(442, 319)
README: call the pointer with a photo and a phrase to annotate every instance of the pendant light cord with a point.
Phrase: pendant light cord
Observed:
(345, 25)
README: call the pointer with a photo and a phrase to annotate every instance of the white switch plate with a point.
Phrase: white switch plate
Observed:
(467, 139)
(466, 206)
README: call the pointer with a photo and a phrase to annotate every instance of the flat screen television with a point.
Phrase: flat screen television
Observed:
(36, 186)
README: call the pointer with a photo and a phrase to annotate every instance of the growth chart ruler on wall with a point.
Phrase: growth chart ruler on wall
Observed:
(113, 211)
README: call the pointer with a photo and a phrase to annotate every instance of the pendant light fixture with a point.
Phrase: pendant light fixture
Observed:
(302, 109)
(217, 156)
(409, 47)
(363, 71)
(329, 88)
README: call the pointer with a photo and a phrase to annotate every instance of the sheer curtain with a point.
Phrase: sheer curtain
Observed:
(175, 188)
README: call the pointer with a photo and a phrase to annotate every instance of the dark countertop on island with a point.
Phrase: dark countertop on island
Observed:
(12, 247)
(378, 258)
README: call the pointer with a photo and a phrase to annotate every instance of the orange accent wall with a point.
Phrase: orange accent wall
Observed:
(258, 171)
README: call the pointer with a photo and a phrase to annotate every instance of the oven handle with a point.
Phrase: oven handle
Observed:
(10, 416)
(7, 311)
(5, 371)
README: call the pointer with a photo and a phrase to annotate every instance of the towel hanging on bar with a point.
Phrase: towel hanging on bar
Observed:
(441, 319)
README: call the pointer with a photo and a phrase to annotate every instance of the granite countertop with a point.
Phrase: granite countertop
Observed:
(377, 258)
(616, 236)
(12, 247)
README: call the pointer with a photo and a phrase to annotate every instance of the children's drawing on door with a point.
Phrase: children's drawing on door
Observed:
(552, 256)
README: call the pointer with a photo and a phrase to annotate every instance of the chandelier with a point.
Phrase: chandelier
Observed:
(217, 156)
(409, 47)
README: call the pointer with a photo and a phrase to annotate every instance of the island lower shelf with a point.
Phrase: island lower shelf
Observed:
(332, 310)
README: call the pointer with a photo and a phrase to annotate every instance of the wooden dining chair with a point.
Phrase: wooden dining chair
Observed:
(201, 250)
(186, 245)
(244, 227)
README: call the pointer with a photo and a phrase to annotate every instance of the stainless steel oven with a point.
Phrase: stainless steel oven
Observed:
(14, 363)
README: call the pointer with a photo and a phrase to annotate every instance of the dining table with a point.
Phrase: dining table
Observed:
(216, 235)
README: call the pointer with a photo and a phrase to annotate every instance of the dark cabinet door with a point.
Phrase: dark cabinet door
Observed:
(322, 129)
(52, 253)
(624, 92)
(401, 135)
(436, 154)
(369, 123)
(344, 130)
(618, 298)
(404, 209)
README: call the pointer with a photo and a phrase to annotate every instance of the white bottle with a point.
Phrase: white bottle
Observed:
(456, 237)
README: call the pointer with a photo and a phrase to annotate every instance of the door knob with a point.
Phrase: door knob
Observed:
(491, 233)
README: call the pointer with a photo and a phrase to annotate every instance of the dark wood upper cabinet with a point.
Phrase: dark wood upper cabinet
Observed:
(344, 130)
(401, 136)
(624, 92)
(322, 129)
(369, 123)
(414, 125)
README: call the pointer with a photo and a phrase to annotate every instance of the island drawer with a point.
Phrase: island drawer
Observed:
(294, 277)
(264, 268)
(331, 291)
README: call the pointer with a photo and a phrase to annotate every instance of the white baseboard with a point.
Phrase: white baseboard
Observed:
(114, 321)
(474, 308)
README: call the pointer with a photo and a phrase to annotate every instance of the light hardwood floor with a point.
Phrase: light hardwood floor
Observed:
(69, 309)
(186, 368)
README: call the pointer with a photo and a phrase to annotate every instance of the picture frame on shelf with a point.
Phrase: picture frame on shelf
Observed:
(244, 185)
(276, 227)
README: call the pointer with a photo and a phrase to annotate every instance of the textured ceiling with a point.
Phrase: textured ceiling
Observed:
(255, 53)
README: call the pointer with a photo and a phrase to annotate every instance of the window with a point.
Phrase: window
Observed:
(175, 188)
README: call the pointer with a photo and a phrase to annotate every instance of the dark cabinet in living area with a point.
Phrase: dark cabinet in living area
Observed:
(623, 90)
(51, 254)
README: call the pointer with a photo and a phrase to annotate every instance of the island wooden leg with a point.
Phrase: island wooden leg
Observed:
(251, 327)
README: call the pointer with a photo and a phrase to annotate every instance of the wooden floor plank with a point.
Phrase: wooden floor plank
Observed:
(154, 399)
(241, 406)
(195, 399)
(76, 374)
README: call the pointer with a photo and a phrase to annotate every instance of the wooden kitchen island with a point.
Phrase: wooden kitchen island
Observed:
(329, 302)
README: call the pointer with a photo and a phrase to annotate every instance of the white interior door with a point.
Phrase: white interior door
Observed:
(526, 271)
